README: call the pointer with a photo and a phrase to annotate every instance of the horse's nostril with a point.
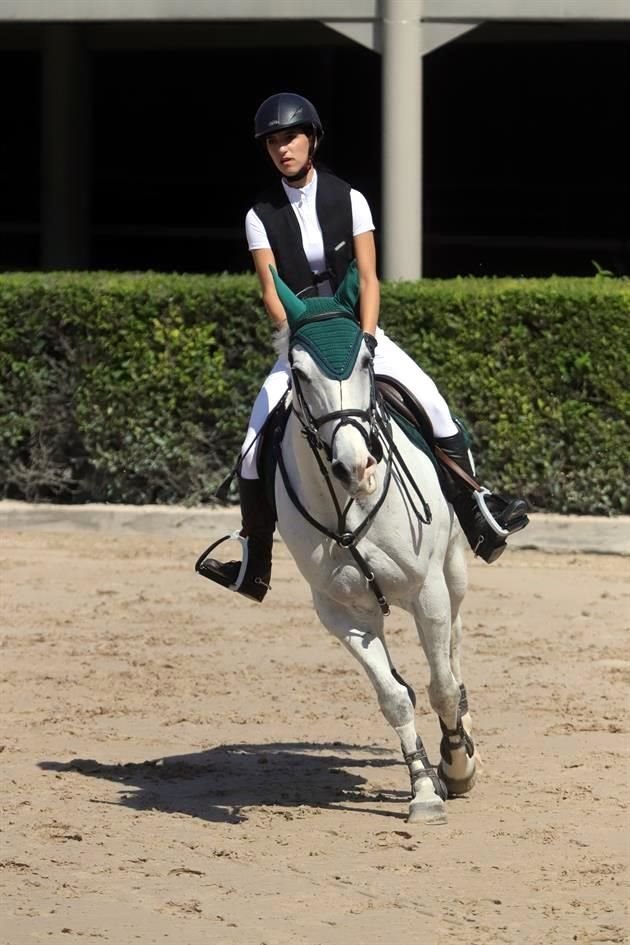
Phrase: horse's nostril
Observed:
(370, 461)
(340, 472)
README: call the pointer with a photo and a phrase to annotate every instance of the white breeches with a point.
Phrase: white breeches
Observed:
(389, 359)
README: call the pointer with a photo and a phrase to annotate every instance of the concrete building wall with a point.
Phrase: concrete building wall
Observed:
(93, 197)
(357, 10)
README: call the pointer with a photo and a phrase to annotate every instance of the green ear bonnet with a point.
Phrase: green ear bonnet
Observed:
(326, 326)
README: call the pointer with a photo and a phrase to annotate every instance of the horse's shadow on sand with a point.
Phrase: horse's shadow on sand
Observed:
(221, 783)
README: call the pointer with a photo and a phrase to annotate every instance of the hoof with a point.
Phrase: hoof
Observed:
(427, 812)
(457, 787)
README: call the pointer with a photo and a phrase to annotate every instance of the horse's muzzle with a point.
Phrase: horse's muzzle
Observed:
(358, 480)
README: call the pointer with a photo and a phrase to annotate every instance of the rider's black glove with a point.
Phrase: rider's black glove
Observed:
(370, 341)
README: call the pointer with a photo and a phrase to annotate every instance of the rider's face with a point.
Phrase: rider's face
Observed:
(288, 150)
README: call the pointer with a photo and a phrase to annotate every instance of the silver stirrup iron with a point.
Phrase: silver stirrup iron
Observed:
(487, 514)
(234, 536)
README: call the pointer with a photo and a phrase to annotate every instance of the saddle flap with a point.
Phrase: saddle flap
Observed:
(267, 457)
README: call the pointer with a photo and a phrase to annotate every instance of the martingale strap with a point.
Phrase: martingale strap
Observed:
(342, 537)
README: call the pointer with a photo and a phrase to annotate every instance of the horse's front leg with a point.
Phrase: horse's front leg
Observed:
(363, 637)
(432, 612)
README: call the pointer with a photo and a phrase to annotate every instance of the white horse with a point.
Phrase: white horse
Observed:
(362, 512)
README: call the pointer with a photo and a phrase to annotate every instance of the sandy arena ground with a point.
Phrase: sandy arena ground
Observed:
(183, 765)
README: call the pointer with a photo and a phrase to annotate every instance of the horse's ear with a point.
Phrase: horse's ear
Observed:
(347, 295)
(293, 306)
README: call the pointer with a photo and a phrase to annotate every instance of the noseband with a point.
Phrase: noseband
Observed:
(349, 417)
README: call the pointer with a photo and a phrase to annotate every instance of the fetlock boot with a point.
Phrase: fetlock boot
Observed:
(252, 575)
(487, 518)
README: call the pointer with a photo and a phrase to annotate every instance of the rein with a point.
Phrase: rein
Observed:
(380, 442)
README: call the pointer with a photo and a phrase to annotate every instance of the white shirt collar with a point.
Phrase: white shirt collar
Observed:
(299, 194)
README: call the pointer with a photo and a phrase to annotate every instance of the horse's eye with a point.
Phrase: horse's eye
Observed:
(300, 374)
(365, 363)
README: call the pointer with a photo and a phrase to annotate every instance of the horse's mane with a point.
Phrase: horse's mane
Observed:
(280, 341)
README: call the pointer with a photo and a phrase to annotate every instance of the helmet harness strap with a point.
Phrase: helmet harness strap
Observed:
(292, 178)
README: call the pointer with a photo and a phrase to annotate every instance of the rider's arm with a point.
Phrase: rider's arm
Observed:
(263, 258)
(370, 298)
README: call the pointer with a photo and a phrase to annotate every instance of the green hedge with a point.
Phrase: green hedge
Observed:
(540, 369)
(137, 387)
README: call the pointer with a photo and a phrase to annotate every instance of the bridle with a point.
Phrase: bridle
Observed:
(347, 417)
(380, 443)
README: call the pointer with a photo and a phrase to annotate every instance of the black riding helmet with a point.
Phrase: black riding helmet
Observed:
(289, 110)
(286, 110)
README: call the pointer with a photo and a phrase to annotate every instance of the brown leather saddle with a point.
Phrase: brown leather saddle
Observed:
(403, 403)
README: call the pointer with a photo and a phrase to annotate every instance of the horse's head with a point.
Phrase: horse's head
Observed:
(333, 381)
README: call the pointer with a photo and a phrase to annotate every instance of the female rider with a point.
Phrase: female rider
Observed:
(309, 226)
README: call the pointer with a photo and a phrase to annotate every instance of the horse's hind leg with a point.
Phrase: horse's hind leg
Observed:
(456, 575)
(363, 637)
(432, 611)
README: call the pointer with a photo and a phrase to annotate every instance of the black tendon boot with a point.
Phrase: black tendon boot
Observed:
(486, 518)
(250, 577)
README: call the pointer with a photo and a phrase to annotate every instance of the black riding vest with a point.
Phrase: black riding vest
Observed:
(334, 212)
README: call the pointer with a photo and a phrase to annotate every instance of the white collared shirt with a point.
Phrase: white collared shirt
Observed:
(302, 200)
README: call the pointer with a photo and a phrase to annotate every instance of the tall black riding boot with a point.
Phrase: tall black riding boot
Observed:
(250, 577)
(487, 518)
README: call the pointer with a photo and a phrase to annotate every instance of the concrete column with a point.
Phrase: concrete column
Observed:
(65, 149)
(401, 236)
